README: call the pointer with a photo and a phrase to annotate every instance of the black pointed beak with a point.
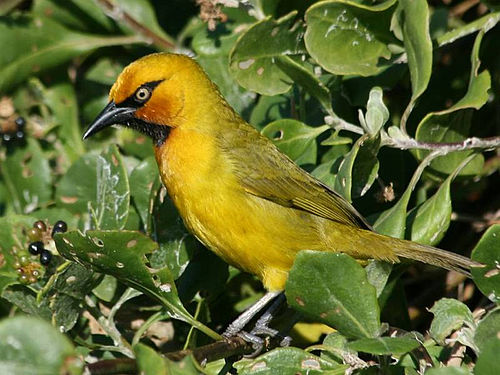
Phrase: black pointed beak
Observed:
(110, 115)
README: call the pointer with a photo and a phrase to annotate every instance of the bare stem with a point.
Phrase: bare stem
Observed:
(467, 144)
(118, 14)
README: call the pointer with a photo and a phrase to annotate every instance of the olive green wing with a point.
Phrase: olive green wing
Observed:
(267, 173)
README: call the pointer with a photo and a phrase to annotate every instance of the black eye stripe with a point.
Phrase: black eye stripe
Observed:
(133, 102)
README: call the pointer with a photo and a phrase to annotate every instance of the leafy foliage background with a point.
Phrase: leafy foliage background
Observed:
(393, 104)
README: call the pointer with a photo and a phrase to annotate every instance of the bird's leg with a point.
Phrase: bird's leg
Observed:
(242, 320)
(262, 325)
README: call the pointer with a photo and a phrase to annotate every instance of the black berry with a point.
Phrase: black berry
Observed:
(19, 134)
(35, 248)
(7, 137)
(45, 257)
(20, 122)
(40, 225)
(59, 227)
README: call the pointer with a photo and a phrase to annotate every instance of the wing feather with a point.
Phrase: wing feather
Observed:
(265, 172)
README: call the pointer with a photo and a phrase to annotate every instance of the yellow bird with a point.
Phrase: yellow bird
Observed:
(236, 192)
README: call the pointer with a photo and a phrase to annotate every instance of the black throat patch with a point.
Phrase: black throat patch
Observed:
(159, 133)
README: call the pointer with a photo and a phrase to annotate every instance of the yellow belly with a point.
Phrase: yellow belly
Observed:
(250, 233)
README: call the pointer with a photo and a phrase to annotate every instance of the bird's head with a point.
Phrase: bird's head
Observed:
(154, 94)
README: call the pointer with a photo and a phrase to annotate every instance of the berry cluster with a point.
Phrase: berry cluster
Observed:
(38, 235)
(11, 126)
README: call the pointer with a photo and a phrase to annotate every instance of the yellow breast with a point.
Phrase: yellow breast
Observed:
(253, 234)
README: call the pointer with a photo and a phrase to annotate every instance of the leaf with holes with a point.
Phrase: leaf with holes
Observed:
(487, 251)
(346, 37)
(284, 361)
(113, 191)
(295, 139)
(123, 254)
(68, 293)
(253, 63)
(333, 288)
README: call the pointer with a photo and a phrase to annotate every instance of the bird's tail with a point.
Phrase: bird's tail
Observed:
(434, 256)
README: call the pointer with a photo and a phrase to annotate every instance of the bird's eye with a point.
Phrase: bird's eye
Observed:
(142, 94)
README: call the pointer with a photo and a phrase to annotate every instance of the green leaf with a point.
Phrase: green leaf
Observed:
(306, 79)
(81, 15)
(32, 346)
(176, 243)
(61, 99)
(143, 12)
(487, 251)
(122, 254)
(106, 289)
(253, 63)
(113, 192)
(378, 274)
(392, 222)
(448, 371)
(346, 37)
(12, 233)
(149, 362)
(487, 329)
(324, 173)
(385, 345)
(144, 182)
(359, 169)
(377, 113)
(449, 315)
(285, 361)
(487, 362)
(486, 22)
(429, 222)
(217, 69)
(269, 109)
(333, 288)
(68, 293)
(78, 186)
(24, 298)
(187, 366)
(295, 139)
(453, 124)
(418, 44)
(27, 176)
(31, 45)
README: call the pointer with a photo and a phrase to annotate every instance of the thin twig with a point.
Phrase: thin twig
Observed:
(118, 14)
(467, 144)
